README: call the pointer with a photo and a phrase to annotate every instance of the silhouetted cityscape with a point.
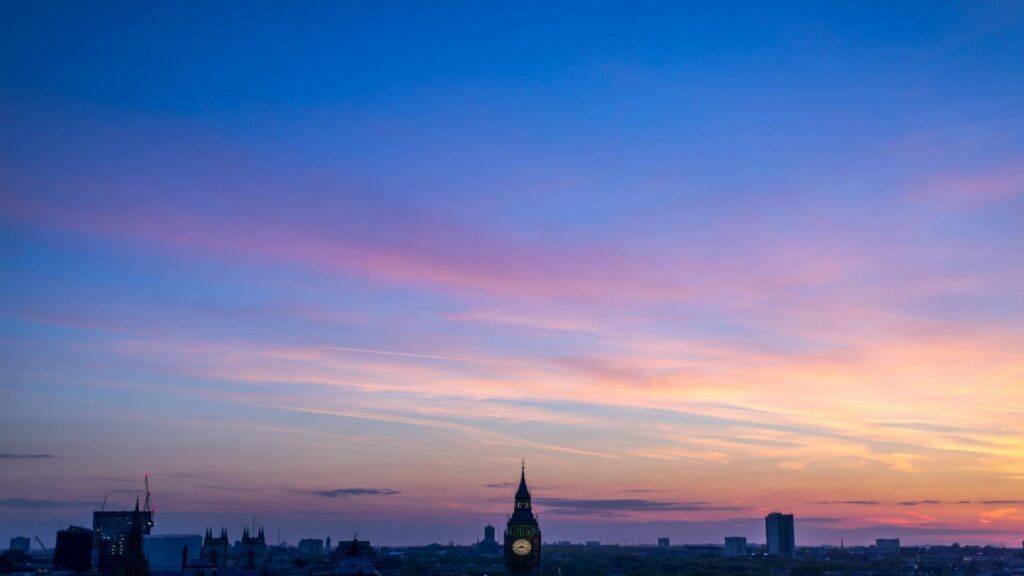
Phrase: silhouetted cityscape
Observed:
(122, 543)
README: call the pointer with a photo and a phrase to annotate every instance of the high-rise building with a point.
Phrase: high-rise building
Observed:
(780, 534)
(74, 549)
(522, 534)
(311, 547)
(111, 530)
(132, 562)
(120, 521)
(735, 547)
(664, 542)
(489, 545)
(20, 544)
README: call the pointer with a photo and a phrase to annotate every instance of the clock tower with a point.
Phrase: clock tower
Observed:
(522, 535)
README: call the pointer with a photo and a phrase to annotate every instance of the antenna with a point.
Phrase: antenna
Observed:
(147, 505)
(104, 505)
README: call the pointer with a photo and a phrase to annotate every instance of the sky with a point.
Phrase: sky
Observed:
(343, 265)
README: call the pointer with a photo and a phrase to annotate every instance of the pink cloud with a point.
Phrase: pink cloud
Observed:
(974, 188)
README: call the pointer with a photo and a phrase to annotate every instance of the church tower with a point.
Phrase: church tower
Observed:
(522, 535)
(133, 562)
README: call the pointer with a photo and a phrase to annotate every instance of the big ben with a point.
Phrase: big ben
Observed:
(522, 535)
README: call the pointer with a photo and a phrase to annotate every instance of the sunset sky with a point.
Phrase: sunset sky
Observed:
(342, 265)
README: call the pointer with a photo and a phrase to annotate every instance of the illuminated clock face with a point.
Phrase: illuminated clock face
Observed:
(522, 547)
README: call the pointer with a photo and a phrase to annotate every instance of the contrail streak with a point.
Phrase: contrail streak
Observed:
(477, 361)
(986, 382)
(407, 354)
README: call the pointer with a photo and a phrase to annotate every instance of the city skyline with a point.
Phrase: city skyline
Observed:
(343, 265)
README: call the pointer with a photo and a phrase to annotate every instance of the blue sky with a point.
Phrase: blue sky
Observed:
(267, 251)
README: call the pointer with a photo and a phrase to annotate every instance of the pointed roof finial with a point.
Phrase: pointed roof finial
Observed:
(523, 493)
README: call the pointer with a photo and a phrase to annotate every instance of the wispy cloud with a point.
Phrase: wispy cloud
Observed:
(226, 488)
(344, 492)
(623, 505)
(25, 456)
(850, 502)
(30, 504)
(973, 188)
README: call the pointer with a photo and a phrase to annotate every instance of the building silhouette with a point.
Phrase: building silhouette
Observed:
(356, 561)
(735, 547)
(214, 550)
(172, 552)
(780, 533)
(311, 547)
(887, 547)
(111, 529)
(74, 549)
(133, 562)
(344, 550)
(20, 544)
(489, 545)
(522, 534)
(252, 550)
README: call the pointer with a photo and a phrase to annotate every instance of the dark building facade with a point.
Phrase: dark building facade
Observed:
(133, 561)
(111, 531)
(522, 535)
(489, 545)
(735, 547)
(74, 549)
(252, 550)
(781, 535)
(215, 548)
(20, 544)
(120, 521)
(357, 560)
(311, 547)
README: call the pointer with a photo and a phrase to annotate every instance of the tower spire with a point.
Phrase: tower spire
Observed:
(523, 493)
(133, 561)
(522, 534)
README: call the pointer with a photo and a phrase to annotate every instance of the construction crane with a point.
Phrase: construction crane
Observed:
(148, 507)
(40, 542)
